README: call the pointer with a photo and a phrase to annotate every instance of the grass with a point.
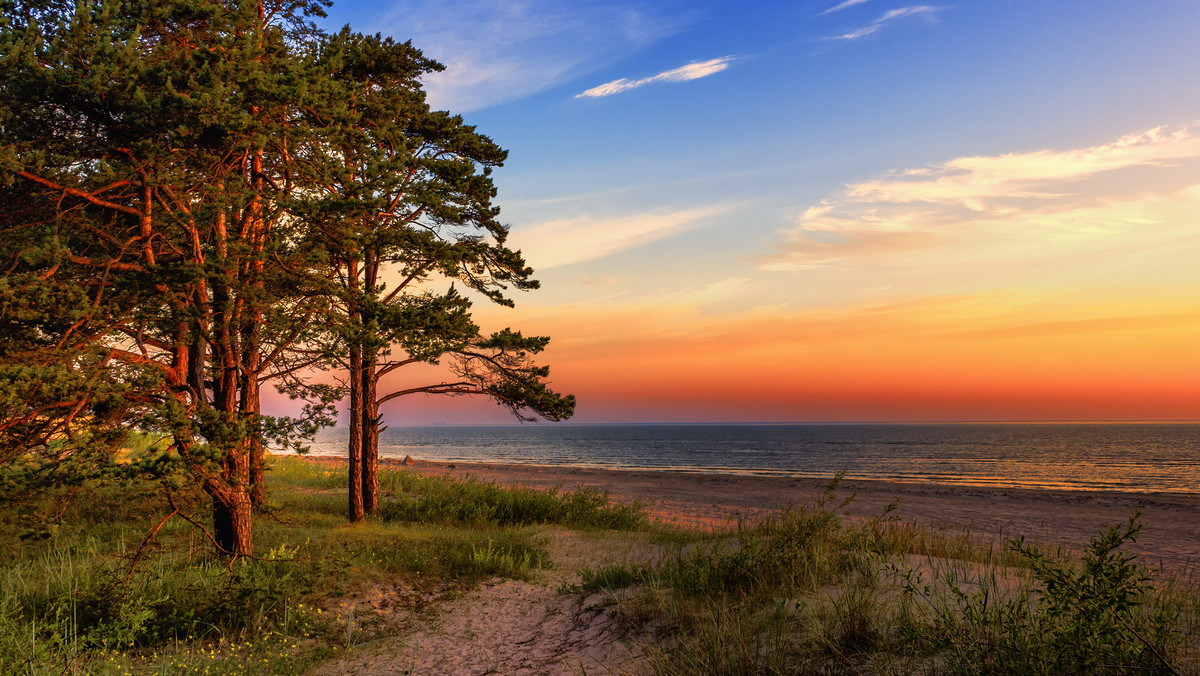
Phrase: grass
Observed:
(808, 590)
(82, 594)
(813, 591)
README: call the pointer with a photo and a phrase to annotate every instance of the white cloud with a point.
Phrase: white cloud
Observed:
(844, 5)
(972, 181)
(928, 11)
(1007, 206)
(576, 240)
(692, 71)
(502, 51)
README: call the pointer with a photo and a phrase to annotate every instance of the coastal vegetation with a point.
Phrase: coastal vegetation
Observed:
(811, 589)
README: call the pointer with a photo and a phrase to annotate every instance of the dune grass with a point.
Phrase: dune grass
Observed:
(85, 592)
(808, 590)
(814, 591)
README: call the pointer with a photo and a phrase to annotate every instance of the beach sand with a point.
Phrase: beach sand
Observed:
(519, 627)
(1055, 518)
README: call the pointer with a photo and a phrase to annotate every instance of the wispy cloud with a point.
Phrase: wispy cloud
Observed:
(502, 51)
(1005, 206)
(692, 71)
(843, 5)
(927, 11)
(575, 240)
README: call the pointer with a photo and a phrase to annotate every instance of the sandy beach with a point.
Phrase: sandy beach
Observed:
(511, 626)
(1056, 518)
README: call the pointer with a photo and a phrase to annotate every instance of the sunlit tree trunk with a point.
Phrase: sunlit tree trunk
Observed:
(368, 404)
(370, 427)
(232, 516)
(355, 451)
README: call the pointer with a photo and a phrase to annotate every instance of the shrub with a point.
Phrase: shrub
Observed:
(1100, 615)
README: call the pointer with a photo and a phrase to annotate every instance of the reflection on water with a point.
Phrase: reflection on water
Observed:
(1121, 457)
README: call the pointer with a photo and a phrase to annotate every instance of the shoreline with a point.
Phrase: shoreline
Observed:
(1054, 518)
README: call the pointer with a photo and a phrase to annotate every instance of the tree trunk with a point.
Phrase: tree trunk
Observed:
(370, 431)
(369, 418)
(252, 336)
(232, 523)
(258, 473)
(231, 500)
(232, 519)
(251, 407)
(356, 405)
(356, 436)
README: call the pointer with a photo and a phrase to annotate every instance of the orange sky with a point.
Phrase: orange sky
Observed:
(970, 357)
(838, 210)
(1057, 284)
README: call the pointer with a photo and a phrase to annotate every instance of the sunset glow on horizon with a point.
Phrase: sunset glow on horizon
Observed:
(814, 211)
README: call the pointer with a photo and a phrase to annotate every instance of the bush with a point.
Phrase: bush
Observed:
(1102, 615)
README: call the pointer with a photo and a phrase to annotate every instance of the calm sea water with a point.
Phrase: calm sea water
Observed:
(1120, 457)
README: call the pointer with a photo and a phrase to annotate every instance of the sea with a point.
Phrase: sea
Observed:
(1127, 457)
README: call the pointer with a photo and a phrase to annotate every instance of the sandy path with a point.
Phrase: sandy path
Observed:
(505, 627)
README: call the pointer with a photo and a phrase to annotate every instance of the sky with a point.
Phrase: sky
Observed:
(837, 210)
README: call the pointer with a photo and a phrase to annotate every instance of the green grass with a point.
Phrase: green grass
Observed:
(78, 595)
(813, 591)
(808, 590)
(451, 501)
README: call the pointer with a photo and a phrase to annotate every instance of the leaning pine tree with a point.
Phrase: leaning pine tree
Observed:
(411, 206)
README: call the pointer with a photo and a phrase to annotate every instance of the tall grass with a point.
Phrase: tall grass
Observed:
(808, 590)
(86, 597)
(439, 499)
(1101, 613)
(811, 590)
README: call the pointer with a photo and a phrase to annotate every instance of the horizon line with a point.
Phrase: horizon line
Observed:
(1047, 421)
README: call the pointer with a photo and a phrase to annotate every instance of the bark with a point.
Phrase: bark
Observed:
(368, 403)
(258, 473)
(197, 353)
(356, 436)
(252, 339)
(356, 407)
(370, 444)
(232, 523)
(232, 519)
(251, 407)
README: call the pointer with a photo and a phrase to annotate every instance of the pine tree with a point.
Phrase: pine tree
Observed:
(198, 198)
(148, 146)
(414, 210)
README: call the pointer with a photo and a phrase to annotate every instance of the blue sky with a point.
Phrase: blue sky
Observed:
(688, 177)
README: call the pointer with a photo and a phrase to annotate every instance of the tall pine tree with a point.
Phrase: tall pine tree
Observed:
(149, 144)
(410, 211)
